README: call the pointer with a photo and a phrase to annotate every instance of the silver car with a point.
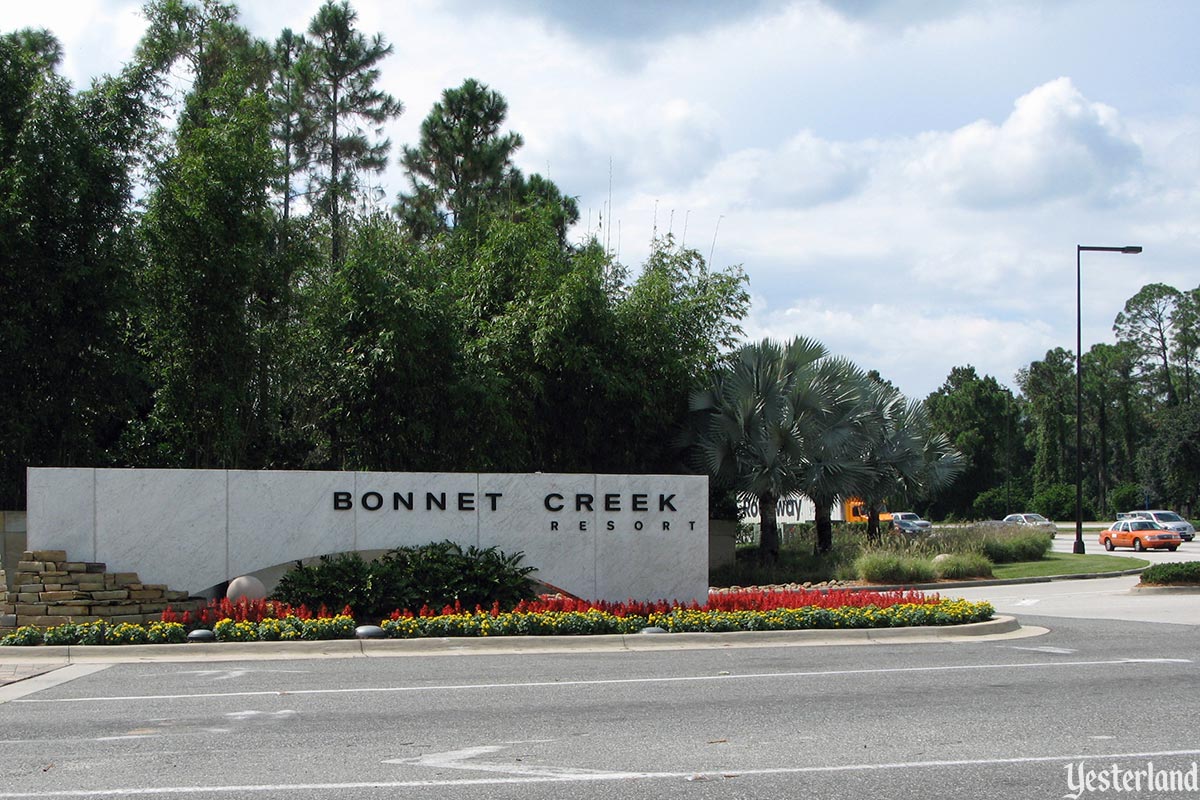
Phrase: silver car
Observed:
(912, 519)
(1169, 520)
(1032, 521)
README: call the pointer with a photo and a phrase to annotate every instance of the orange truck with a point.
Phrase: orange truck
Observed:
(855, 510)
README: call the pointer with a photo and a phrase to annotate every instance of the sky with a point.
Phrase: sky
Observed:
(903, 180)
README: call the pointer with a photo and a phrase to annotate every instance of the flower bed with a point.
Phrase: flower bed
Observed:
(688, 620)
(736, 610)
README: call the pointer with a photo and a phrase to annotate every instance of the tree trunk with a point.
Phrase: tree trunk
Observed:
(768, 540)
(824, 527)
(873, 534)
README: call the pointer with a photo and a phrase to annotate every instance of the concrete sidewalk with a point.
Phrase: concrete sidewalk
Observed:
(13, 672)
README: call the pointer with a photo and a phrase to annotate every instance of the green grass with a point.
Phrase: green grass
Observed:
(1067, 564)
(798, 564)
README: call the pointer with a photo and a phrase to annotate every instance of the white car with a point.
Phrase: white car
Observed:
(1168, 519)
(1033, 521)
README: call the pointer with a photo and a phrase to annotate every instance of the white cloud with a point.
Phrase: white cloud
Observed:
(97, 35)
(803, 171)
(1056, 143)
(911, 345)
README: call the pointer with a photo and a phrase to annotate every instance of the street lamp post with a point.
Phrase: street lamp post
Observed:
(1079, 248)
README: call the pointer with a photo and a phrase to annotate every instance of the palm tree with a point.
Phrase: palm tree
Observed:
(749, 427)
(836, 430)
(905, 456)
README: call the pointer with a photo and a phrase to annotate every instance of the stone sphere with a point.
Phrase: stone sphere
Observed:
(940, 557)
(246, 586)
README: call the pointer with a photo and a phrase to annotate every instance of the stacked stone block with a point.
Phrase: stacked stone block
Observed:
(49, 590)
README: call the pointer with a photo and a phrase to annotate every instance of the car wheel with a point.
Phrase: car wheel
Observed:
(1173, 548)
(1137, 545)
(1108, 545)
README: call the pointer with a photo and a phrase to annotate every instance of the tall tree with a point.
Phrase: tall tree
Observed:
(208, 236)
(1112, 419)
(983, 421)
(1048, 386)
(1169, 464)
(462, 168)
(1185, 324)
(292, 120)
(1146, 323)
(343, 95)
(461, 162)
(67, 374)
(382, 360)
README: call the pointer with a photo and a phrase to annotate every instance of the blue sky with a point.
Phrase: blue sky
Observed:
(905, 181)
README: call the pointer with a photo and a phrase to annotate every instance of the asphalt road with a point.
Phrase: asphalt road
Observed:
(999, 719)
(1107, 598)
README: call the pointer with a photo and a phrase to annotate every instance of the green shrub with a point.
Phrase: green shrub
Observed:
(409, 578)
(886, 567)
(1186, 573)
(1003, 547)
(964, 565)
(334, 581)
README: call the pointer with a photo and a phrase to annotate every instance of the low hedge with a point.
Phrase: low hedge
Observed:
(1183, 573)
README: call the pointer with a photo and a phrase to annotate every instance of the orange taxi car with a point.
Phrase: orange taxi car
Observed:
(1140, 534)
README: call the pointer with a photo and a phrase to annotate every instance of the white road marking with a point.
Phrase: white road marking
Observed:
(1028, 601)
(230, 674)
(244, 789)
(457, 759)
(1062, 651)
(247, 715)
(614, 681)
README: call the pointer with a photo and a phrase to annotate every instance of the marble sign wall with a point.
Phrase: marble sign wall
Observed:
(610, 537)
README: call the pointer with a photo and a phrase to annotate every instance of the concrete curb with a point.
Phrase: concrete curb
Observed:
(1153, 589)
(61, 655)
